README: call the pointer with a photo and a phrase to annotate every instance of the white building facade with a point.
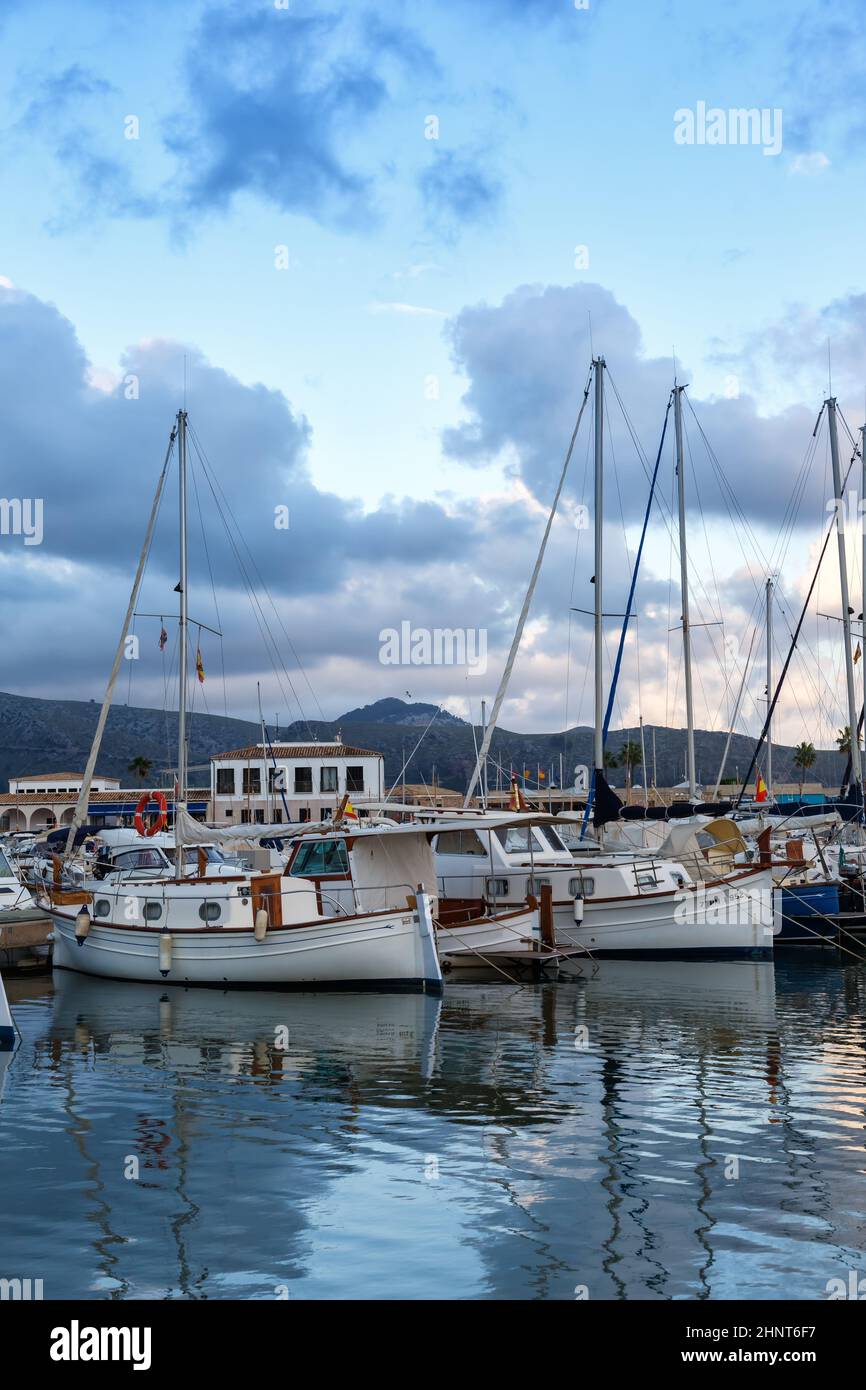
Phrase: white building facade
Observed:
(293, 782)
(60, 783)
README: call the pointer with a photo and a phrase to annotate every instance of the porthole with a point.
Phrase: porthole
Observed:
(152, 912)
(101, 907)
(209, 912)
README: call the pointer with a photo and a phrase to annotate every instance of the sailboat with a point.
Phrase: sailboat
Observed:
(620, 901)
(245, 929)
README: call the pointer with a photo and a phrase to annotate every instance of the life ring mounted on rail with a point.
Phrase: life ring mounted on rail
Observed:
(159, 821)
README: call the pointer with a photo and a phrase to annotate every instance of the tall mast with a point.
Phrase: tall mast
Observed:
(769, 689)
(598, 365)
(863, 564)
(180, 798)
(856, 774)
(684, 587)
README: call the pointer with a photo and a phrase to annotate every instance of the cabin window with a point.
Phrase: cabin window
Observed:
(303, 780)
(209, 912)
(252, 781)
(581, 887)
(139, 859)
(101, 907)
(552, 838)
(533, 885)
(497, 888)
(320, 858)
(514, 839)
(152, 912)
(329, 779)
(225, 781)
(459, 842)
(354, 779)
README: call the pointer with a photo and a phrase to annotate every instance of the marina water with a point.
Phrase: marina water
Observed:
(642, 1131)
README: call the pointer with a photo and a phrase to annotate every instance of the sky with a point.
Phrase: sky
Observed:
(372, 249)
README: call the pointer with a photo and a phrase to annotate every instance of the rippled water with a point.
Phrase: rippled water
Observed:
(653, 1131)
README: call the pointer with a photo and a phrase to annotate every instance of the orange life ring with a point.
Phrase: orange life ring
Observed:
(160, 820)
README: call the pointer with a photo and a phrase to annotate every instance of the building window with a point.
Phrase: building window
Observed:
(252, 781)
(304, 814)
(225, 781)
(245, 817)
(354, 779)
(278, 817)
(303, 780)
(329, 779)
(227, 812)
(260, 817)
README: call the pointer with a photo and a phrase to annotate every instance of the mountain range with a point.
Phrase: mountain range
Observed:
(38, 735)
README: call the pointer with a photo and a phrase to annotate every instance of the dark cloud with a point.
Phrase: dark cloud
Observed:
(457, 189)
(93, 456)
(526, 362)
(826, 57)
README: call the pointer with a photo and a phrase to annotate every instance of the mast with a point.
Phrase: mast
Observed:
(598, 365)
(769, 689)
(80, 813)
(643, 763)
(684, 587)
(856, 774)
(180, 797)
(863, 567)
(521, 621)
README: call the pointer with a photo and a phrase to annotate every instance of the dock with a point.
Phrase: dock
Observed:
(25, 941)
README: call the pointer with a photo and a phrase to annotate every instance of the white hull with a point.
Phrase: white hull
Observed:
(388, 950)
(721, 922)
(515, 937)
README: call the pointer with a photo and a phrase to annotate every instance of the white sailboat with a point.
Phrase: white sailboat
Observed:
(239, 929)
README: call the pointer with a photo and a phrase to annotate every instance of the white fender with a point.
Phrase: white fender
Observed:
(262, 924)
(165, 945)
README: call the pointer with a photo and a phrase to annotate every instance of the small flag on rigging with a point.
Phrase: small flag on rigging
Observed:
(163, 638)
(199, 665)
(761, 789)
(857, 654)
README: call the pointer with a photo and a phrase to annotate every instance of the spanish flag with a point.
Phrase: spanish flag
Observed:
(761, 789)
(199, 665)
(349, 811)
(857, 654)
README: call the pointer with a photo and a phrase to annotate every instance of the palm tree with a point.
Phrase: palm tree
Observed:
(804, 758)
(610, 759)
(843, 739)
(141, 767)
(630, 757)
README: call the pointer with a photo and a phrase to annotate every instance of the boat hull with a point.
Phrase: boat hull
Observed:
(716, 924)
(515, 936)
(383, 951)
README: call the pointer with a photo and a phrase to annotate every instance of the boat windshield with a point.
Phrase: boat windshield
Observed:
(5, 867)
(212, 854)
(514, 839)
(321, 857)
(552, 838)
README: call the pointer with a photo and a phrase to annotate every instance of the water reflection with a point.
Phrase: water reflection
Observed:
(652, 1131)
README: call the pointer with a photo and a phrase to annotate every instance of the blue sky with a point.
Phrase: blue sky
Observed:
(399, 335)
